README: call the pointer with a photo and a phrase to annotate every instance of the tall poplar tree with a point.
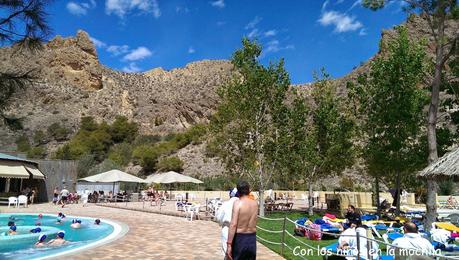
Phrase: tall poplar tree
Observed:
(248, 120)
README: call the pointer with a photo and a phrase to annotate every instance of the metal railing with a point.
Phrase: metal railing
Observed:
(284, 232)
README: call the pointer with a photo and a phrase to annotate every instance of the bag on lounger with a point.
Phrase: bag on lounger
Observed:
(313, 233)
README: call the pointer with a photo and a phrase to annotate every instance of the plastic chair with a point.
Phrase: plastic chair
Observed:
(188, 211)
(22, 199)
(196, 209)
(12, 200)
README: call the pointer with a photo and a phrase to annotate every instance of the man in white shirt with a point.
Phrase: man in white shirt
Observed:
(347, 242)
(64, 195)
(412, 243)
(223, 217)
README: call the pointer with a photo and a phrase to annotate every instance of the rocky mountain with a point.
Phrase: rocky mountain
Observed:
(73, 83)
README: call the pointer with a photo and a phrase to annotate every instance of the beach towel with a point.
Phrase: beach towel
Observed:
(330, 216)
(448, 226)
(319, 221)
(381, 226)
(369, 217)
(301, 221)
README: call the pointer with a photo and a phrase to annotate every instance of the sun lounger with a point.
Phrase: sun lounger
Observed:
(393, 236)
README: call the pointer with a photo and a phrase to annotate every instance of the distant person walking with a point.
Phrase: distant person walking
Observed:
(64, 195)
(224, 217)
(242, 239)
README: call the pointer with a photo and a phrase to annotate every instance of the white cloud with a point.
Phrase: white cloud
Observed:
(139, 53)
(132, 67)
(341, 21)
(123, 7)
(254, 33)
(356, 3)
(275, 46)
(98, 43)
(253, 23)
(117, 50)
(363, 32)
(324, 5)
(270, 33)
(191, 50)
(221, 23)
(80, 8)
(219, 3)
(76, 9)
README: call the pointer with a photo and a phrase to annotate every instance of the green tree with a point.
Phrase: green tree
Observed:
(441, 15)
(146, 156)
(120, 153)
(320, 134)
(248, 118)
(23, 143)
(122, 130)
(172, 163)
(391, 102)
(22, 22)
(104, 166)
(85, 164)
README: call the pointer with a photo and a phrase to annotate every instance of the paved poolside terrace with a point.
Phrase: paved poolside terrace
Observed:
(150, 235)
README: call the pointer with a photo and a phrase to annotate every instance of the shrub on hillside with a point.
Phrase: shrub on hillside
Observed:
(22, 143)
(146, 139)
(120, 153)
(170, 164)
(58, 132)
(39, 138)
(37, 152)
(122, 130)
(146, 156)
(88, 123)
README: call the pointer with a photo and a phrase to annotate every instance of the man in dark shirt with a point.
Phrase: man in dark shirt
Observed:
(352, 216)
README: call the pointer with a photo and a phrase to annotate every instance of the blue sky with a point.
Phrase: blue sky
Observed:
(139, 35)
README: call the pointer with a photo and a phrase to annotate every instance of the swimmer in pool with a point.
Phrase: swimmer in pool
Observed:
(12, 231)
(76, 223)
(40, 216)
(61, 215)
(97, 222)
(11, 223)
(41, 241)
(59, 240)
(58, 221)
(35, 230)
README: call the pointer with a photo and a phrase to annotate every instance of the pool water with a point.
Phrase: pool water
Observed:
(21, 246)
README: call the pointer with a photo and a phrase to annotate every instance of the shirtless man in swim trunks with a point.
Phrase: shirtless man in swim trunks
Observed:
(242, 240)
(59, 240)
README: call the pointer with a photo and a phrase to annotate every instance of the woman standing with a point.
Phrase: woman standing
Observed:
(55, 195)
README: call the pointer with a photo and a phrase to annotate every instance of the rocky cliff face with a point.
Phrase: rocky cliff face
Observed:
(72, 83)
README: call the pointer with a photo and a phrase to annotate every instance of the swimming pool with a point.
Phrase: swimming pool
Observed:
(21, 246)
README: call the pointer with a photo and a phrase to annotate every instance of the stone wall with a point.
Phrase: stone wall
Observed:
(59, 173)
